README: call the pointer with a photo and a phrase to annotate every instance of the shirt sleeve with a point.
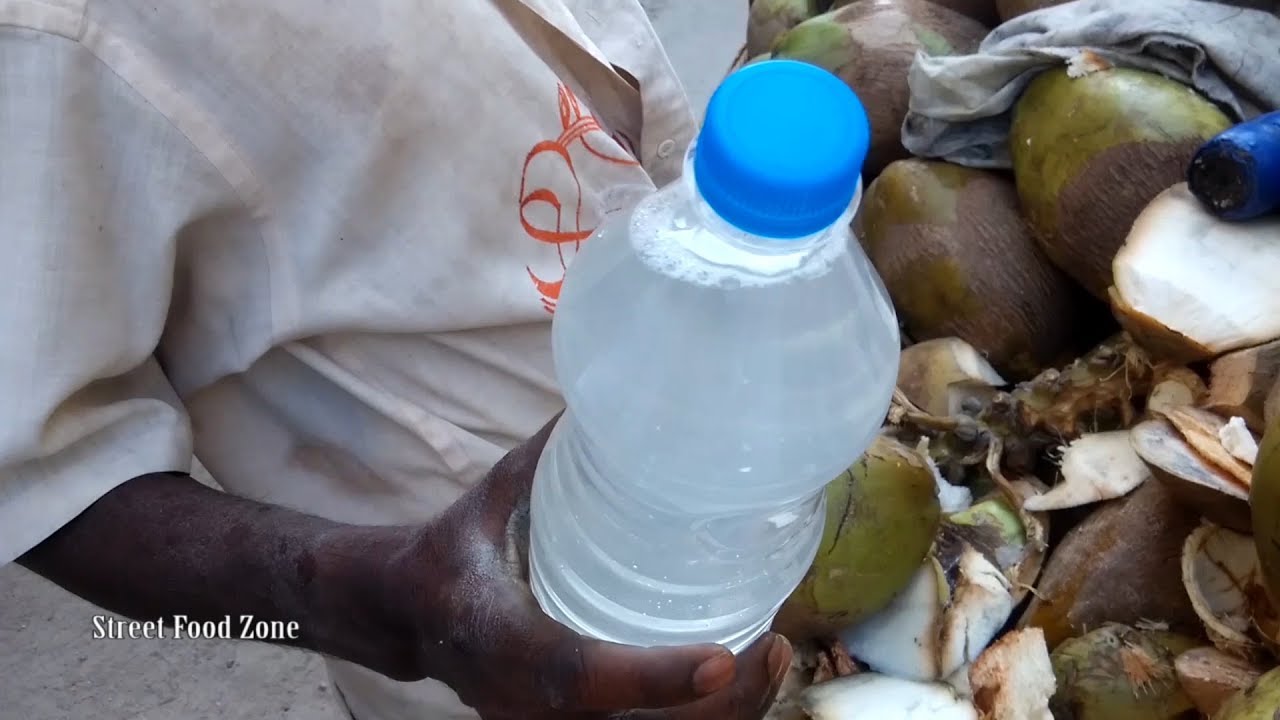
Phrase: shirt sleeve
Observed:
(95, 185)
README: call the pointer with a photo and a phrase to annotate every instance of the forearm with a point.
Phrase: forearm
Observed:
(162, 545)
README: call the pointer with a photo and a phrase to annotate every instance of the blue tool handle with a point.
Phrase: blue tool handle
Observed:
(1236, 175)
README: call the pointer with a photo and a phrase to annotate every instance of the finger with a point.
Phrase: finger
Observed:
(510, 480)
(761, 669)
(593, 676)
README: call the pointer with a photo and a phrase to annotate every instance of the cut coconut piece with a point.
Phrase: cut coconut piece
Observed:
(929, 631)
(1210, 677)
(1203, 432)
(1239, 441)
(1013, 679)
(879, 697)
(1197, 483)
(1239, 383)
(929, 369)
(1208, 282)
(1175, 387)
(1224, 582)
(1095, 467)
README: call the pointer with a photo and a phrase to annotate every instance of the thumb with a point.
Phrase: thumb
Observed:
(590, 675)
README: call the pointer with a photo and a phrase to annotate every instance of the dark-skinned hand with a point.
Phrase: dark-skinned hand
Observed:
(485, 636)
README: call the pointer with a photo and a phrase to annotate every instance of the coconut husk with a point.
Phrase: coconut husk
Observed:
(933, 374)
(1119, 672)
(1090, 152)
(1013, 679)
(769, 19)
(959, 261)
(1239, 383)
(1210, 677)
(1200, 485)
(870, 44)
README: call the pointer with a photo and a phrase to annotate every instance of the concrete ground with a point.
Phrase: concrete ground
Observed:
(52, 669)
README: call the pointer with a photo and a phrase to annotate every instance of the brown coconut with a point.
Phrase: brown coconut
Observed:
(1090, 152)
(1122, 564)
(871, 44)
(984, 11)
(959, 260)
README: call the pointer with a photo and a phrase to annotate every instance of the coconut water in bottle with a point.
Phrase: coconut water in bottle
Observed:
(725, 350)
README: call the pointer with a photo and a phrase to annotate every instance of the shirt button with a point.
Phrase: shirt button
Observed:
(666, 147)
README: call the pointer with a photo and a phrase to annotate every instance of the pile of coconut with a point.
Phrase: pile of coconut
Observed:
(1073, 510)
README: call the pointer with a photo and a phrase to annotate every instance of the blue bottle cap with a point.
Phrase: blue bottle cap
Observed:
(781, 149)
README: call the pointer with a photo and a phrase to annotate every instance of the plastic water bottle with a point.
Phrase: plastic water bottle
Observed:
(725, 350)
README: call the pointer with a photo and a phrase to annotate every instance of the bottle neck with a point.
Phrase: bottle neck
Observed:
(726, 244)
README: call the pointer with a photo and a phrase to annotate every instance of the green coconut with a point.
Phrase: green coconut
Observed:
(1090, 153)
(768, 19)
(1118, 672)
(959, 260)
(882, 515)
(1264, 503)
(871, 44)
(1259, 701)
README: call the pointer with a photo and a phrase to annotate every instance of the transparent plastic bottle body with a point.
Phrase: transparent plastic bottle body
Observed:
(715, 382)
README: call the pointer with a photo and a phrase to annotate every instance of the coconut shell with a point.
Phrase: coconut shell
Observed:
(1090, 153)
(870, 44)
(1122, 564)
(958, 260)
(882, 515)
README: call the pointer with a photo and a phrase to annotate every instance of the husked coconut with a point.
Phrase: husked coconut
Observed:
(958, 260)
(870, 44)
(928, 370)
(1095, 467)
(1090, 152)
(870, 696)
(1190, 286)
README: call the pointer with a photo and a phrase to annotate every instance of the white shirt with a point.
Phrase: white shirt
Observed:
(318, 243)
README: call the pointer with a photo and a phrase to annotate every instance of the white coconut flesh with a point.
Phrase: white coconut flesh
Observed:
(1239, 441)
(929, 631)
(1095, 467)
(1210, 280)
(870, 696)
